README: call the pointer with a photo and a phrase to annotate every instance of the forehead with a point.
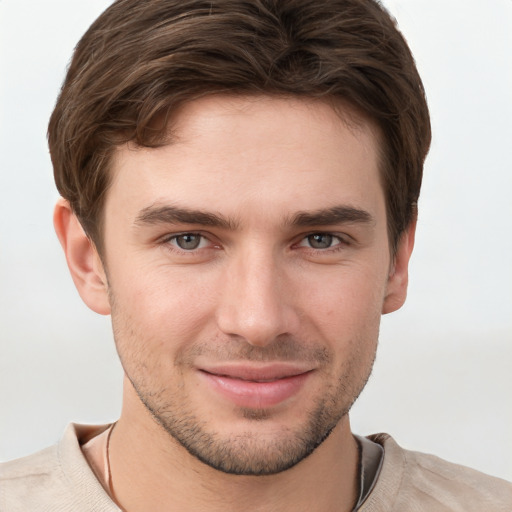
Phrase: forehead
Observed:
(259, 152)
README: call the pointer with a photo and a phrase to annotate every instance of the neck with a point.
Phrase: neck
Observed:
(151, 471)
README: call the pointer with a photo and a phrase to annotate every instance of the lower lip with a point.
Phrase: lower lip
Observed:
(256, 395)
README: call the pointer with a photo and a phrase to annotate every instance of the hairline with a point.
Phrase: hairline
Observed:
(352, 116)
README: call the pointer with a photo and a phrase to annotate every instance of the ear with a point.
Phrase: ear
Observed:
(396, 289)
(83, 259)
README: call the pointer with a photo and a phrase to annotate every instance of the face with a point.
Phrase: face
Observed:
(248, 265)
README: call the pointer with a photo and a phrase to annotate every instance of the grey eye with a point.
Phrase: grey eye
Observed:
(320, 241)
(188, 241)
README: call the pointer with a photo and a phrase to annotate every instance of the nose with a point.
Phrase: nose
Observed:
(256, 299)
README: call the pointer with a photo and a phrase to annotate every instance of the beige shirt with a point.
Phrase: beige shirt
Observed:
(59, 479)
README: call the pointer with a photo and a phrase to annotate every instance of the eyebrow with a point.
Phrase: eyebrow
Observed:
(334, 215)
(168, 214)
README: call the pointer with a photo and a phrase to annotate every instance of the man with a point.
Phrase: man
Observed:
(239, 184)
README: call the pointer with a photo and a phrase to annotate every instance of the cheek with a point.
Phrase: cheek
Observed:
(155, 314)
(165, 294)
(347, 302)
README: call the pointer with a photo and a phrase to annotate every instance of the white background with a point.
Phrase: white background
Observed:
(443, 378)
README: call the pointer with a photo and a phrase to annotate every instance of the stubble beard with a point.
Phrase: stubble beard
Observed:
(246, 453)
(250, 453)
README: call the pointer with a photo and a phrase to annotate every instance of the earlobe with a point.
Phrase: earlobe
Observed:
(398, 280)
(83, 259)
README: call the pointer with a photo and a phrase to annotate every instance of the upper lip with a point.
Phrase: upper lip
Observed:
(257, 372)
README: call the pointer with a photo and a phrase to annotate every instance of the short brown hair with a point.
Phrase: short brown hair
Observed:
(141, 59)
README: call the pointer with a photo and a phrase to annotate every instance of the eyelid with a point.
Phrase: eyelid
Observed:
(340, 242)
(168, 238)
(343, 239)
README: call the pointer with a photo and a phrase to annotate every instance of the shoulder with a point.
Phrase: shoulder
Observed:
(55, 479)
(27, 481)
(414, 481)
(40, 463)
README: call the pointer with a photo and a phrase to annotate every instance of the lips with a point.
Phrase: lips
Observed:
(256, 387)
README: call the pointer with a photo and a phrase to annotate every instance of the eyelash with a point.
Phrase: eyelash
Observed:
(168, 241)
(342, 242)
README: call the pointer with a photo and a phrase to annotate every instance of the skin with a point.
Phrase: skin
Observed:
(283, 275)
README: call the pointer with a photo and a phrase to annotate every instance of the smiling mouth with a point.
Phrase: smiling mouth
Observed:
(253, 387)
(248, 380)
(260, 380)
